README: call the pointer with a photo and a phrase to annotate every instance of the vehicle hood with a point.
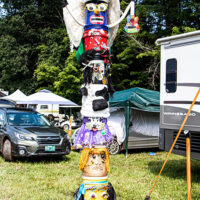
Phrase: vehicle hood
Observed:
(39, 131)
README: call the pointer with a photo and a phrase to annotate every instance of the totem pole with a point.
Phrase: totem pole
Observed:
(92, 26)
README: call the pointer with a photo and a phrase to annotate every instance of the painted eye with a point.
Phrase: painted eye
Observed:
(93, 156)
(95, 68)
(104, 195)
(103, 156)
(90, 7)
(102, 7)
(93, 196)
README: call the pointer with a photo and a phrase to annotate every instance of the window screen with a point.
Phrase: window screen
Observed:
(171, 75)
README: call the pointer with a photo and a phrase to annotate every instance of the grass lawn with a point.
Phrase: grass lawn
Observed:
(132, 177)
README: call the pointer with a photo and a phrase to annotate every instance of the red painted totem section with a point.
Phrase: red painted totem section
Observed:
(95, 39)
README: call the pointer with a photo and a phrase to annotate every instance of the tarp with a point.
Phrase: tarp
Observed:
(136, 98)
(16, 96)
(46, 97)
(116, 124)
(144, 123)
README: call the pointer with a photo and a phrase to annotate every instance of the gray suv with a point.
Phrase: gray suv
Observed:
(25, 132)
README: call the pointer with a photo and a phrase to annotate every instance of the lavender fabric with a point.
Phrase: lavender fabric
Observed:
(90, 138)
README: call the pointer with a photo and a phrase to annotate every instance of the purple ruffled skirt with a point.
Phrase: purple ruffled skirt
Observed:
(89, 138)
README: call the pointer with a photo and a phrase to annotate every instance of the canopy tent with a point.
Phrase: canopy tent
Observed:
(15, 96)
(46, 97)
(136, 98)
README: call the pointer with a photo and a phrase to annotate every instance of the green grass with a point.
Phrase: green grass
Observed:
(132, 177)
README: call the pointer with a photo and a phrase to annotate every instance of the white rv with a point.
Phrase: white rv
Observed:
(48, 109)
(180, 80)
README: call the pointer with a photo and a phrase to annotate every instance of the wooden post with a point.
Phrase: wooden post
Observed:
(188, 152)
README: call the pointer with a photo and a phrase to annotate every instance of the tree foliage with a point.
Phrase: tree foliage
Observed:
(34, 45)
(20, 35)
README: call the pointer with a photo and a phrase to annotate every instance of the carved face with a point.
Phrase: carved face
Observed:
(95, 162)
(95, 123)
(96, 14)
(96, 166)
(96, 188)
(98, 73)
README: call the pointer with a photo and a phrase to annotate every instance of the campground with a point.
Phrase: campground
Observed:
(132, 177)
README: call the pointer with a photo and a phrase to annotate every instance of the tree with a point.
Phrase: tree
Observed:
(57, 68)
(136, 57)
(34, 46)
(70, 79)
(20, 35)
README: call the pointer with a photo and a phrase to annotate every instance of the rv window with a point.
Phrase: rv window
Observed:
(171, 75)
(44, 107)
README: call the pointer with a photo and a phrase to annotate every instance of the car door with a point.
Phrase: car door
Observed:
(2, 127)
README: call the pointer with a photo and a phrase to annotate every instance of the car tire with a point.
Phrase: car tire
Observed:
(114, 148)
(7, 150)
(68, 149)
(66, 127)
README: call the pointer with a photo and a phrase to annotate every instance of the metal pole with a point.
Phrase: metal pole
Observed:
(127, 119)
(188, 152)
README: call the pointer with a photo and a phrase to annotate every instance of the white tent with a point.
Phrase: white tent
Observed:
(16, 96)
(46, 97)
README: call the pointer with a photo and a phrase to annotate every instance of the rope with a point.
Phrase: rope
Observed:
(179, 132)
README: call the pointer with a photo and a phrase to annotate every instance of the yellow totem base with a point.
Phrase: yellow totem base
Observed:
(95, 188)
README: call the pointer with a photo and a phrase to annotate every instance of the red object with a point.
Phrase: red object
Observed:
(95, 39)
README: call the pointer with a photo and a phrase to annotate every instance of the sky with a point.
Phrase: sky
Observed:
(2, 11)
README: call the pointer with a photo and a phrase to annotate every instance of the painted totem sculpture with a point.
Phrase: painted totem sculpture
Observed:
(92, 26)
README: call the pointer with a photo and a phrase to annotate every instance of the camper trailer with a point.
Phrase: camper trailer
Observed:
(180, 81)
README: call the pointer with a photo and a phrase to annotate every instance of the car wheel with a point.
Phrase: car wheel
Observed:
(68, 149)
(66, 127)
(114, 147)
(7, 150)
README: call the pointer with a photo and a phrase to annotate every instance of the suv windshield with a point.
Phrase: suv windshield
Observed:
(27, 119)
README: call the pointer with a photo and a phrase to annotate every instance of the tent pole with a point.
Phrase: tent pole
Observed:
(127, 118)
(70, 110)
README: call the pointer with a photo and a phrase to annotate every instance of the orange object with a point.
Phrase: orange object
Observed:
(175, 140)
(188, 152)
(70, 127)
(70, 120)
(70, 130)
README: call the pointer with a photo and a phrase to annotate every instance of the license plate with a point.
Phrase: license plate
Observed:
(50, 148)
